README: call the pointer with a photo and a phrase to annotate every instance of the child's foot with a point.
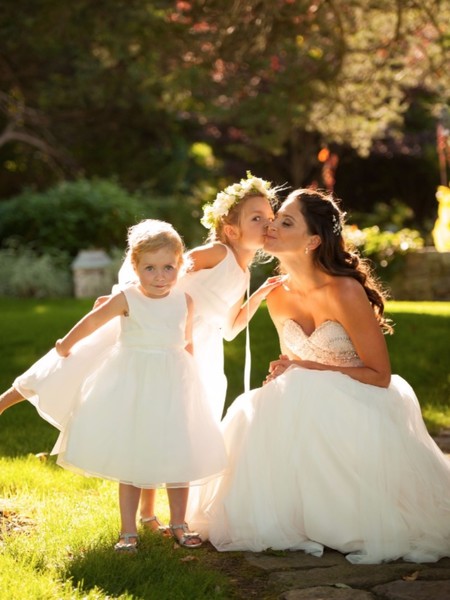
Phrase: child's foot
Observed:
(127, 543)
(153, 524)
(184, 537)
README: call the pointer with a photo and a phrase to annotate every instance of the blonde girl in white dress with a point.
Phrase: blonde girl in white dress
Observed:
(141, 416)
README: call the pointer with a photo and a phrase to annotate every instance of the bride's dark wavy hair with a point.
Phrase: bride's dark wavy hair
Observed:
(324, 218)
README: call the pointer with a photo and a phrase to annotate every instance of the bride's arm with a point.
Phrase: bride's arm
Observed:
(352, 309)
(278, 311)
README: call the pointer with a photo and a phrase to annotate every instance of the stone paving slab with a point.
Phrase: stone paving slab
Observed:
(358, 576)
(280, 561)
(327, 593)
(413, 590)
(332, 577)
(442, 439)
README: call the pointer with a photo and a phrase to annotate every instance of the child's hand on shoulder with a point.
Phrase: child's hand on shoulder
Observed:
(270, 284)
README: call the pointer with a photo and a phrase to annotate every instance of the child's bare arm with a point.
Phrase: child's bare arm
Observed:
(115, 306)
(241, 314)
(207, 256)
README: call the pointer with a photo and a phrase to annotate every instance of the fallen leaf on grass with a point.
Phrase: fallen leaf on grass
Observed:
(11, 521)
(188, 558)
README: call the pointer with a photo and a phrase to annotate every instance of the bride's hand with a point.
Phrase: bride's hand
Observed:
(278, 367)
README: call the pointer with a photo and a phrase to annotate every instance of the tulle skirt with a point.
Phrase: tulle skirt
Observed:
(318, 459)
(143, 419)
(52, 383)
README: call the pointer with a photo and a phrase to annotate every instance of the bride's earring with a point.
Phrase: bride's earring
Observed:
(306, 250)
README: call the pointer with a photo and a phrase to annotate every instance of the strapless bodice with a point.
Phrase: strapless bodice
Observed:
(328, 344)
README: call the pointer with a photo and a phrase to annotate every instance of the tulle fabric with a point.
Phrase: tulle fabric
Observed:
(318, 459)
(52, 383)
(140, 424)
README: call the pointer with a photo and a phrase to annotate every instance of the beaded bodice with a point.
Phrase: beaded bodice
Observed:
(328, 344)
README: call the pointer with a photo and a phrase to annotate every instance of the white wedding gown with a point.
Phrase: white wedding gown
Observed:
(318, 459)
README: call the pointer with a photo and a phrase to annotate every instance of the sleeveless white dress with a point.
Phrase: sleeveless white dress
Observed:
(141, 417)
(319, 459)
(214, 292)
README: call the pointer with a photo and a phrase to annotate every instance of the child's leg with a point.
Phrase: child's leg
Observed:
(147, 510)
(128, 504)
(9, 398)
(178, 498)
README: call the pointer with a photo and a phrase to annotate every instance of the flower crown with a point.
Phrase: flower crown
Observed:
(232, 195)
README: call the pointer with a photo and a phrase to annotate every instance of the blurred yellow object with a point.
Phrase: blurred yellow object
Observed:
(441, 230)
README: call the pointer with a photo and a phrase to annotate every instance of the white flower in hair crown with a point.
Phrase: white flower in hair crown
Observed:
(232, 195)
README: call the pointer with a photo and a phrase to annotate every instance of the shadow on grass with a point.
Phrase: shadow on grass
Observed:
(23, 432)
(159, 570)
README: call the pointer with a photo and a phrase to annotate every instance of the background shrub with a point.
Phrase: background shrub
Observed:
(26, 274)
(70, 216)
(383, 247)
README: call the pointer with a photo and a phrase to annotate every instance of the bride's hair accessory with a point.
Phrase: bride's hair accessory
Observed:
(232, 195)
(337, 224)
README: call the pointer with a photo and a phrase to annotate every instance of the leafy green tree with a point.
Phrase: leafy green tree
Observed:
(288, 77)
(128, 88)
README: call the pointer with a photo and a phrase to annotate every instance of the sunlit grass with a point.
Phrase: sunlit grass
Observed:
(57, 536)
(58, 529)
(441, 309)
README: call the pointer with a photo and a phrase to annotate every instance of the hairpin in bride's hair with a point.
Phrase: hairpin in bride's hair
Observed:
(336, 225)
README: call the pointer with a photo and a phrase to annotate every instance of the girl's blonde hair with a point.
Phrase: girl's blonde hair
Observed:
(152, 235)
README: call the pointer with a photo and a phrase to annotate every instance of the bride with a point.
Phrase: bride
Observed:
(332, 450)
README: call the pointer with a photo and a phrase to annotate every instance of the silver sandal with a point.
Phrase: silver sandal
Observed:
(187, 535)
(128, 547)
(161, 528)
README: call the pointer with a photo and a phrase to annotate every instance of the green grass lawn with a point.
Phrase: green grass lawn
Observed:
(57, 529)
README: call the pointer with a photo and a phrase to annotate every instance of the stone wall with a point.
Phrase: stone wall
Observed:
(424, 275)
